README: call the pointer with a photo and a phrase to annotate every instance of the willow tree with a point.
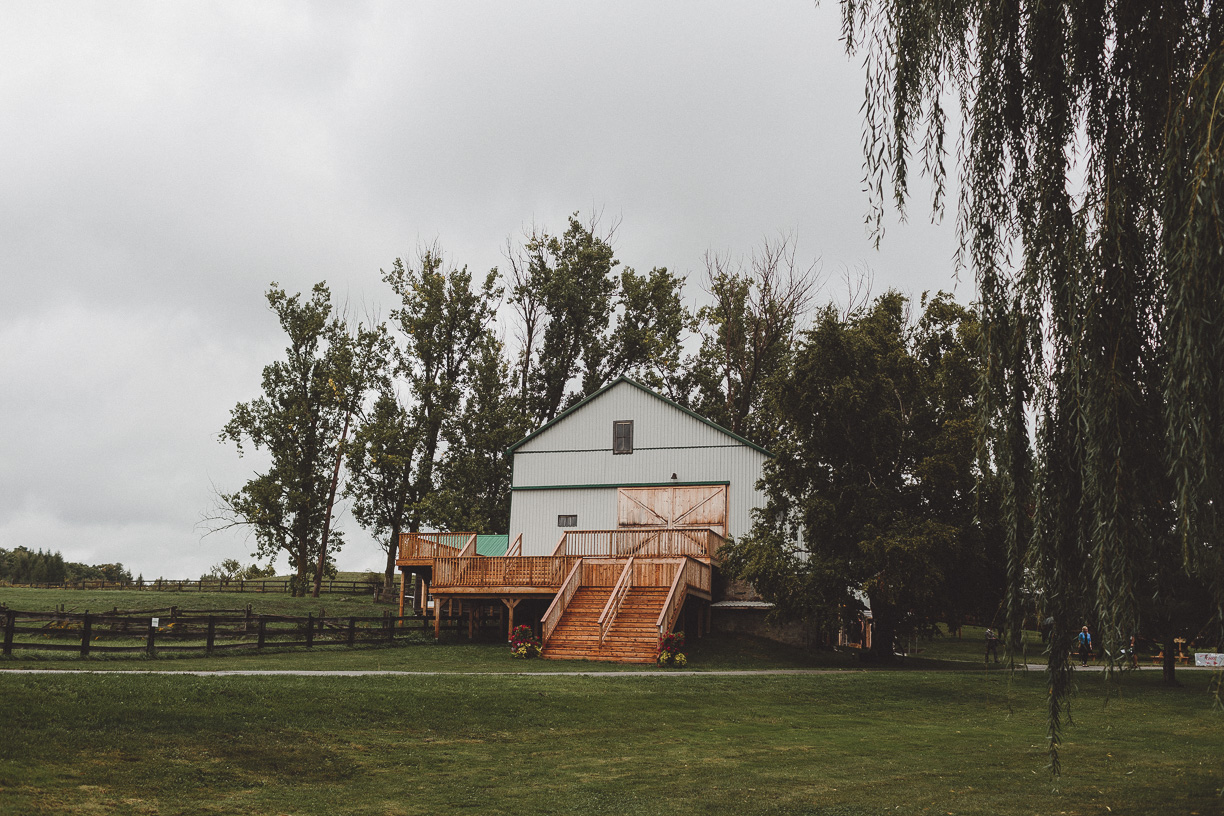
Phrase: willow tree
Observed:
(1091, 184)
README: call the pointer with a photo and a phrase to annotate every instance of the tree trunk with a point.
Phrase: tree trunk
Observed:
(331, 500)
(1170, 661)
(392, 552)
(884, 633)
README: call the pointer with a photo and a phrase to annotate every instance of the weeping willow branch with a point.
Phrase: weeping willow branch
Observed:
(1091, 159)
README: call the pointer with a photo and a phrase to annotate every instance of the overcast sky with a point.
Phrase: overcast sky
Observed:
(162, 163)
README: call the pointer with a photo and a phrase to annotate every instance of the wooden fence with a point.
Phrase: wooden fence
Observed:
(206, 632)
(235, 585)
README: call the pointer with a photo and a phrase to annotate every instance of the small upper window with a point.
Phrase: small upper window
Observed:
(567, 521)
(622, 436)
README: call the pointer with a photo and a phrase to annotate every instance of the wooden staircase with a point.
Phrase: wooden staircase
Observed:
(633, 638)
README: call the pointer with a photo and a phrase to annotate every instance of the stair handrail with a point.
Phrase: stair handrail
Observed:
(674, 602)
(469, 548)
(515, 548)
(564, 595)
(619, 591)
(560, 548)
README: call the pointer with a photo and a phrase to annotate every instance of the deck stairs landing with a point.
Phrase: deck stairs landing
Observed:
(633, 637)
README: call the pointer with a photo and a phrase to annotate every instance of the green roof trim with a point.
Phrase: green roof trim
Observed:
(620, 484)
(649, 391)
(492, 545)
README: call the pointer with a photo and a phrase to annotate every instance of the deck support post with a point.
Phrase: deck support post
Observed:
(403, 580)
(510, 604)
(437, 618)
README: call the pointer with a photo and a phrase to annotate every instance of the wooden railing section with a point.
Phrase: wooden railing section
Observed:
(469, 548)
(557, 608)
(666, 542)
(516, 546)
(621, 589)
(432, 545)
(520, 572)
(690, 574)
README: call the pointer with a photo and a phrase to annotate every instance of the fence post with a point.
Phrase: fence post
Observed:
(309, 629)
(388, 625)
(212, 634)
(352, 632)
(151, 640)
(10, 621)
(86, 630)
(260, 643)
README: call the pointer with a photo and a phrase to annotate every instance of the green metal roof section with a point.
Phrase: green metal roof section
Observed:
(492, 545)
(649, 391)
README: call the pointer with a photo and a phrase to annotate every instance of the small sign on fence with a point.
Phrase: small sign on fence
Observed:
(1209, 659)
(155, 622)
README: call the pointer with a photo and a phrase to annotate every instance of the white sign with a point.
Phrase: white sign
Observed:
(153, 622)
(1209, 659)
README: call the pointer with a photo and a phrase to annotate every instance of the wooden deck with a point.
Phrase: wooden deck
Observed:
(643, 576)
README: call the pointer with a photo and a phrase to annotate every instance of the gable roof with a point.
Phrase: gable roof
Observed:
(639, 386)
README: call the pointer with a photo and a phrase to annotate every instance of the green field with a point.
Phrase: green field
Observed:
(904, 742)
(491, 735)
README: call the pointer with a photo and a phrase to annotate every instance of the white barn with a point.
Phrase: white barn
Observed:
(628, 457)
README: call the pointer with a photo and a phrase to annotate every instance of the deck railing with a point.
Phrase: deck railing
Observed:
(691, 574)
(557, 608)
(699, 542)
(432, 545)
(608, 616)
(537, 572)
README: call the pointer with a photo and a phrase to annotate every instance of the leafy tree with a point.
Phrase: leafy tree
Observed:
(747, 334)
(443, 322)
(871, 490)
(475, 473)
(298, 421)
(382, 475)
(1093, 151)
(563, 290)
(652, 324)
(582, 326)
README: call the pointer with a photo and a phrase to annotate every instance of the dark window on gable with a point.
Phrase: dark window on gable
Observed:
(622, 436)
(567, 521)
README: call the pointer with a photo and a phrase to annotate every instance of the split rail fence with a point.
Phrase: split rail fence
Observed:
(206, 632)
(235, 585)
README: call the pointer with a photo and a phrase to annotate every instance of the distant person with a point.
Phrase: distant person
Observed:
(992, 645)
(1085, 646)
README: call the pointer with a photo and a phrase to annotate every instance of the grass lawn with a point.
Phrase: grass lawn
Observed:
(843, 744)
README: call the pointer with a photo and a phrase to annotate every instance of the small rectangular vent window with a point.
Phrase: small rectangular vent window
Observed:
(622, 436)
(567, 521)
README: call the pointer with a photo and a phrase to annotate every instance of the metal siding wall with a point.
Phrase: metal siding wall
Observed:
(534, 514)
(578, 451)
(655, 424)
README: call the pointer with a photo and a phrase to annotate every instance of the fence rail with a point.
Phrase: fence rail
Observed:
(235, 585)
(89, 633)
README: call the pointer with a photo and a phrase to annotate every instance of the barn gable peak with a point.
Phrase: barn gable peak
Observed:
(635, 384)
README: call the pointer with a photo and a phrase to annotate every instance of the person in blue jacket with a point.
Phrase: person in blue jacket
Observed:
(1085, 646)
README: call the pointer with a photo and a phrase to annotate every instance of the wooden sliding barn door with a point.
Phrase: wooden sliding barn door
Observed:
(673, 506)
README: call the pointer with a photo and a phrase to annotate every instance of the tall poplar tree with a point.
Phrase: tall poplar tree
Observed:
(297, 421)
